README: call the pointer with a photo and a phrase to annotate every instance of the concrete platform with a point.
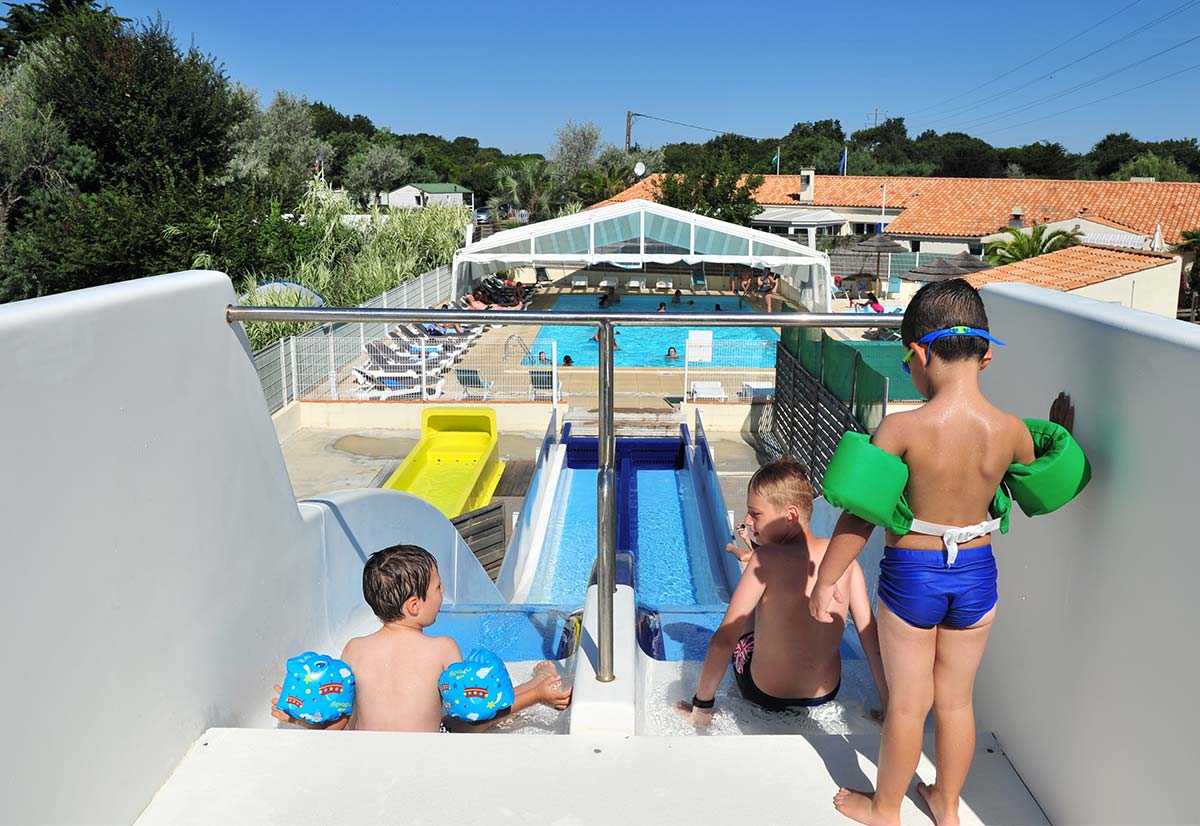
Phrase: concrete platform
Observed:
(235, 776)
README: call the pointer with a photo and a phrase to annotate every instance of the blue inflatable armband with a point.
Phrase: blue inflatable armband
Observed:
(317, 689)
(476, 689)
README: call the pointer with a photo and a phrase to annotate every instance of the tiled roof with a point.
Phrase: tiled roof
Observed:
(1071, 268)
(973, 207)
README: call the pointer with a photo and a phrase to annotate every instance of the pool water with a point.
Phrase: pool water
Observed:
(647, 346)
(668, 570)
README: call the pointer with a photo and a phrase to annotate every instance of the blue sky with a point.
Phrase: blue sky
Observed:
(510, 74)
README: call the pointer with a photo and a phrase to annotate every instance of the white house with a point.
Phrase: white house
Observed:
(419, 195)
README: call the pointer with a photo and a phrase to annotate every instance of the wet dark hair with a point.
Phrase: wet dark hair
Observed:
(945, 304)
(393, 576)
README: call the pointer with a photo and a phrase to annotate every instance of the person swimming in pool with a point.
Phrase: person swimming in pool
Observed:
(671, 353)
(568, 361)
(662, 307)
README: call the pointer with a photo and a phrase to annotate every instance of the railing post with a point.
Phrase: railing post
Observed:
(333, 391)
(295, 374)
(554, 372)
(606, 507)
(283, 370)
(424, 366)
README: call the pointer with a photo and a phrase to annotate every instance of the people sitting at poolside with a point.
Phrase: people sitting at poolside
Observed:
(671, 353)
(454, 328)
(768, 621)
(543, 358)
(662, 307)
(568, 361)
(678, 297)
(397, 668)
(475, 301)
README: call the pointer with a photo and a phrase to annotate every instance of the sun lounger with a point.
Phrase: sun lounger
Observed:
(541, 384)
(579, 280)
(474, 386)
(635, 284)
(665, 284)
(698, 280)
(608, 281)
(708, 391)
(756, 390)
(384, 387)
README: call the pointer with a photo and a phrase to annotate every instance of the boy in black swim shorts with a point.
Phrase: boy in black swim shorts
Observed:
(782, 657)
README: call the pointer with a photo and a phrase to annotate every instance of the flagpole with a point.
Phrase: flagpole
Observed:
(777, 148)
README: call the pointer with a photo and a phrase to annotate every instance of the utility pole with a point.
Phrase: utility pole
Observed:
(628, 128)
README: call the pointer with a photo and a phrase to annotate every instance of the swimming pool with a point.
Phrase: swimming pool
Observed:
(647, 346)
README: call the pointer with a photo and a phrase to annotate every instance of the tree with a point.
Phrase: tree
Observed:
(33, 147)
(962, 156)
(531, 185)
(1149, 165)
(575, 148)
(279, 148)
(1114, 150)
(1191, 244)
(376, 171)
(29, 23)
(717, 189)
(1021, 245)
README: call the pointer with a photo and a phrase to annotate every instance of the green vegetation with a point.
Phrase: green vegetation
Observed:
(1021, 245)
(716, 188)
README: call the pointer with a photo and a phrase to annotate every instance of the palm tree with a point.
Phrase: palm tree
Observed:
(530, 185)
(1191, 244)
(1020, 245)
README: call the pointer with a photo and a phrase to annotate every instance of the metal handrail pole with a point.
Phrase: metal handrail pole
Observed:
(606, 506)
(376, 315)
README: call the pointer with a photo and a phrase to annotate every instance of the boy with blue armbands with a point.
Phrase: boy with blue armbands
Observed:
(397, 668)
(940, 480)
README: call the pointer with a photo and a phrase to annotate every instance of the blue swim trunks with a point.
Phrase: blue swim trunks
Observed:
(923, 592)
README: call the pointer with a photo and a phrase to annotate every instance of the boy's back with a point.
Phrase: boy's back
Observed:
(957, 447)
(794, 655)
(396, 672)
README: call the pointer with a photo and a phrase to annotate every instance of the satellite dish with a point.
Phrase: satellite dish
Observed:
(639, 169)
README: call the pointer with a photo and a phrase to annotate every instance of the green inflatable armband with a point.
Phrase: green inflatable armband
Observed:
(868, 482)
(1055, 477)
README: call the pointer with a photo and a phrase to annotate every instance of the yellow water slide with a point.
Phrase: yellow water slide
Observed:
(456, 465)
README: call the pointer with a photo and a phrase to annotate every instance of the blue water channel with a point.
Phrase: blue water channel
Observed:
(669, 570)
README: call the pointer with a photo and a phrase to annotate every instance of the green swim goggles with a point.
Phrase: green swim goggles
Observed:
(929, 338)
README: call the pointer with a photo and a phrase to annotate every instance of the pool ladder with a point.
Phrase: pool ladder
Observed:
(516, 342)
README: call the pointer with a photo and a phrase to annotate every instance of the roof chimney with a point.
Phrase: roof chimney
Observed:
(1018, 217)
(807, 177)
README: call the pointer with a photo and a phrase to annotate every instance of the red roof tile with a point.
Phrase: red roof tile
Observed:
(1071, 268)
(973, 207)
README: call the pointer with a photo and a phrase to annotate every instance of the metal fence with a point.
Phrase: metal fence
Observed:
(296, 368)
(728, 371)
(843, 263)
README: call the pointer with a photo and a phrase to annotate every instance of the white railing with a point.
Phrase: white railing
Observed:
(729, 371)
(290, 369)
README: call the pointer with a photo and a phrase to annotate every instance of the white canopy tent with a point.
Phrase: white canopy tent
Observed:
(637, 232)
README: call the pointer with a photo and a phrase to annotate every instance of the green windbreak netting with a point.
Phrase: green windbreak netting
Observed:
(810, 349)
(870, 396)
(790, 336)
(886, 358)
(838, 360)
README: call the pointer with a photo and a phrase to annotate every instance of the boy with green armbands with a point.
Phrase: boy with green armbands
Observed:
(940, 480)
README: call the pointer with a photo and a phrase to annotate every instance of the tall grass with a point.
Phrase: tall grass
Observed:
(353, 260)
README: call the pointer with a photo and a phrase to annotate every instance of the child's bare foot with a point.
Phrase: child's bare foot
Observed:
(546, 669)
(941, 811)
(550, 691)
(860, 806)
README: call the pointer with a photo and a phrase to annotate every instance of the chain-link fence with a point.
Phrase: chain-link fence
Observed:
(728, 371)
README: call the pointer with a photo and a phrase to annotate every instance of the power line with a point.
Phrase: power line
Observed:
(962, 109)
(701, 128)
(1001, 115)
(1027, 62)
(1193, 67)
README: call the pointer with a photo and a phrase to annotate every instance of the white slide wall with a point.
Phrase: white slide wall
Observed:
(1089, 677)
(157, 570)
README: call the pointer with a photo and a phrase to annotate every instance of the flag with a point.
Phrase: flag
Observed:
(775, 160)
(842, 165)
